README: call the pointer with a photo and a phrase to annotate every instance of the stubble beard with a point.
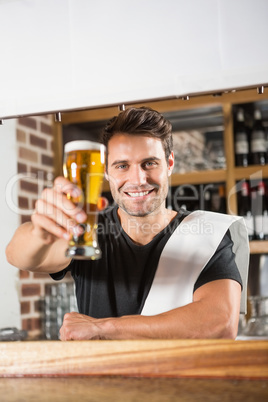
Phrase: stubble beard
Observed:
(146, 207)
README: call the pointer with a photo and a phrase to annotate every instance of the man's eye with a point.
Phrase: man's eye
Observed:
(121, 167)
(149, 164)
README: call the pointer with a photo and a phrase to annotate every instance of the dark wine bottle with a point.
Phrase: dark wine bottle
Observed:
(207, 200)
(258, 141)
(218, 200)
(261, 213)
(266, 139)
(222, 200)
(241, 140)
(244, 209)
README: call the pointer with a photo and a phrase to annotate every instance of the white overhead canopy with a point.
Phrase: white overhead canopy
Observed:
(59, 55)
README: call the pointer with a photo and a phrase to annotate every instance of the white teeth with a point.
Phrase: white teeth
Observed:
(141, 194)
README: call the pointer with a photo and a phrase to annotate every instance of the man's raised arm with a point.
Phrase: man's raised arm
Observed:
(40, 245)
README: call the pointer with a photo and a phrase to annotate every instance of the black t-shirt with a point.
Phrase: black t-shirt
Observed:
(119, 282)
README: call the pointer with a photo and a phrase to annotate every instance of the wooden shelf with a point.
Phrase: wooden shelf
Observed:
(218, 176)
(258, 247)
(251, 172)
(201, 177)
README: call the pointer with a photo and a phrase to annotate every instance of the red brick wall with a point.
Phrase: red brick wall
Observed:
(36, 157)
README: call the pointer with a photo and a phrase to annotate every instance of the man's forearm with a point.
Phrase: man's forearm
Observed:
(185, 322)
(29, 250)
(191, 321)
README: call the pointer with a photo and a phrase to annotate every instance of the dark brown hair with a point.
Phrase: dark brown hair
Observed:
(141, 121)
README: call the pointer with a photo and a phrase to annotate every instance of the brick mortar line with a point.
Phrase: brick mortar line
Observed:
(30, 315)
(28, 281)
(42, 281)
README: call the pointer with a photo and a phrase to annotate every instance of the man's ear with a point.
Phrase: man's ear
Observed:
(170, 163)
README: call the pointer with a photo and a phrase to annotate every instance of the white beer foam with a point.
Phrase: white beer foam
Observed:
(83, 145)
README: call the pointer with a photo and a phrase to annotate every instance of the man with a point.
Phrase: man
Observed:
(118, 296)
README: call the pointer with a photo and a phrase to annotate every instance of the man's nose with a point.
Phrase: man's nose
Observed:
(137, 175)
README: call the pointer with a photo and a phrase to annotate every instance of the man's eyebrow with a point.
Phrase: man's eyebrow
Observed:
(124, 161)
(118, 162)
(151, 158)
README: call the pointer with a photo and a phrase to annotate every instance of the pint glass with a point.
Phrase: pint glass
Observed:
(84, 163)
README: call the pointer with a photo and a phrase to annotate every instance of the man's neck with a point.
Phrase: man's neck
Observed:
(143, 229)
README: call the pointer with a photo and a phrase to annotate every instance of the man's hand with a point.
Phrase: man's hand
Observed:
(55, 212)
(81, 327)
(47, 235)
(59, 209)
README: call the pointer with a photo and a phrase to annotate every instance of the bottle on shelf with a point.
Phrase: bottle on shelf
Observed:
(207, 200)
(222, 200)
(241, 140)
(266, 139)
(218, 199)
(258, 141)
(260, 212)
(244, 209)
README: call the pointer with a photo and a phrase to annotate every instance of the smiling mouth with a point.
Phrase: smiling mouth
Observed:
(138, 194)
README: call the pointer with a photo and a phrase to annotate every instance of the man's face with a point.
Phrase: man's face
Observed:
(138, 173)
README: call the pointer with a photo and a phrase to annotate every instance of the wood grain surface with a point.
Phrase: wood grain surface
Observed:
(126, 389)
(150, 358)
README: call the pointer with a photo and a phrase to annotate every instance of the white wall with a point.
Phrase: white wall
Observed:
(9, 276)
(66, 54)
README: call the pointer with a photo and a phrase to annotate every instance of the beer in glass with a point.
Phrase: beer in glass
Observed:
(84, 163)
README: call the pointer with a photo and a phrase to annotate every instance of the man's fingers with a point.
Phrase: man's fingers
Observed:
(64, 186)
(78, 326)
(67, 327)
(55, 214)
(59, 200)
(49, 226)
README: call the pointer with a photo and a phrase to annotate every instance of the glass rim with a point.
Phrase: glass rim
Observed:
(83, 145)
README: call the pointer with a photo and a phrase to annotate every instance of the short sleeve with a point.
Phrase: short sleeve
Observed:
(222, 265)
(58, 276)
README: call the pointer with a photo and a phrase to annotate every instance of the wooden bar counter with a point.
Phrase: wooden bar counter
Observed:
(134, 370)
